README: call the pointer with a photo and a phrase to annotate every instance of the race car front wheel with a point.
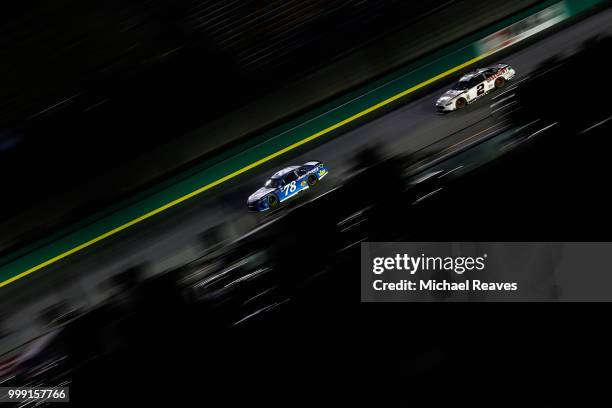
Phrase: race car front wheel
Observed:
(461, 102)
(312, 180)
(272, 200)
(500, 82)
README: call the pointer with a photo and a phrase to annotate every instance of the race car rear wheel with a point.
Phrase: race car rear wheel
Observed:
(312, 180)
(272, 200)
(500, 82)
(461, 102)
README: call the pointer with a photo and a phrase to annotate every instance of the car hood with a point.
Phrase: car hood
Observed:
(260, 193)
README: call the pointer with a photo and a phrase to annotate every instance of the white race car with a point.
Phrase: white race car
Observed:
(474, 85)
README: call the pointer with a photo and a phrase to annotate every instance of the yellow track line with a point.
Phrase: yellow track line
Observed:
(242, 170)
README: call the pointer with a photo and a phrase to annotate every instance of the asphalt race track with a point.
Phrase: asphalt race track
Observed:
(171, 238)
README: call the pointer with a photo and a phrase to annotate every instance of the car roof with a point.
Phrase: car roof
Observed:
(472, 74)
(284, 171)
(477, 71)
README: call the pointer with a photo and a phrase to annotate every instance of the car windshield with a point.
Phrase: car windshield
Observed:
(273, 183)
(461, 85)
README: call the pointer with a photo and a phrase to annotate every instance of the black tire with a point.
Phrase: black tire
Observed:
(500, 82)
(461, 103)
(312, 180)
(272, 200)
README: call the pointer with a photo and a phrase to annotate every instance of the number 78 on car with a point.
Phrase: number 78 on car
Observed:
(285, 184)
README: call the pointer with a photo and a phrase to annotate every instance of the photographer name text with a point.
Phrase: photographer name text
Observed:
(456, 265)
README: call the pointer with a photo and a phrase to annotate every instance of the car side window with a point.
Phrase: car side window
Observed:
(477, 79)
(291, 176)
(301, 171)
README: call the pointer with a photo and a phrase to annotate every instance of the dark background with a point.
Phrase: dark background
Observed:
(325, 341)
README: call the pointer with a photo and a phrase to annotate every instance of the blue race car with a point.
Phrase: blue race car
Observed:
(285, 184)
